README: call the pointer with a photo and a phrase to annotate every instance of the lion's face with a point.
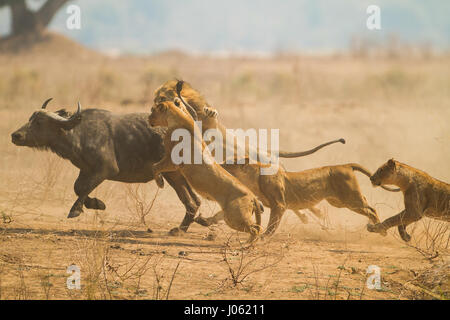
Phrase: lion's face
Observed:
(168, 92)
(158, 115)
(385, 174)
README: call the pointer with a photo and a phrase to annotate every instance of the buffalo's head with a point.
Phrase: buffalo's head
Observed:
(44, 125)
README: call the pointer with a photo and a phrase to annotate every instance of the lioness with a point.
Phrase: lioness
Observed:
(298, 190)
(213, 182)
(196, 103)
(424, 196)
(302, 190)
(201, 110)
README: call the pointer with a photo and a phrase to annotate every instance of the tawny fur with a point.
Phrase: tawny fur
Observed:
(208, 116)
(302, 190)
(284, 191)
(237, 202)
(424, 196)
(196, 101)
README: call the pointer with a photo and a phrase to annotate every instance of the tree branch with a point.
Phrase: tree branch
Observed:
(48, 10)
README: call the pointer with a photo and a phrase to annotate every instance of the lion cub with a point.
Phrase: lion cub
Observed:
(424, 196)
(213, 182)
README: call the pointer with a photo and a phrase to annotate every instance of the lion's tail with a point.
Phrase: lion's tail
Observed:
(357, 167)
(286, 154)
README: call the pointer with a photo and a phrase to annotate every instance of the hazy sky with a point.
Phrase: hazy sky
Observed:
(248, 25)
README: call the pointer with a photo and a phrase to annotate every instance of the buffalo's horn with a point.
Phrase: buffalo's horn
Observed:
(187, 105)
(66, 123)
(46, 103)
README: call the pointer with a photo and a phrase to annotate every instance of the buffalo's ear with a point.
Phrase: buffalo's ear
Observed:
(74, 121)
(391, 163)
(63, 113)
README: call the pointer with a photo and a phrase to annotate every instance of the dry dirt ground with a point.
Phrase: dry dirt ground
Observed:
(383, 106)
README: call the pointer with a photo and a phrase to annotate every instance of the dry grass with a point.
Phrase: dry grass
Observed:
(383, 106)
(138, 202)
(243, 261)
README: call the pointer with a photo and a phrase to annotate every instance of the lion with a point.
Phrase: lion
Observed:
(302, 190)
(199, 109)
(299, 190)
(424, 196)
(237, 202)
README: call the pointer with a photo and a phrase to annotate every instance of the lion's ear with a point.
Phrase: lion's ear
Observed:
(161, 107)
(391, 163)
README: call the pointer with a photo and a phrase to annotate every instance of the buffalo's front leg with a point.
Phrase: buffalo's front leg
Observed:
(84, 185)
(188, 198)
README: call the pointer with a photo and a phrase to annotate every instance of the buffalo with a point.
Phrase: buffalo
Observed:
(104, 146)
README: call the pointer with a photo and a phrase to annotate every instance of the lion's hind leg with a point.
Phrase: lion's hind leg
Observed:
(317, 212)
(238, 215)
(303, 217)
(356, 202)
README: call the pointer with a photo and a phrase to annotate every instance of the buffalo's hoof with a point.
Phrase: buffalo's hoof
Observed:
(405, 237)
(159, 181)
(377, 228)
(95, 204)
(74, 214)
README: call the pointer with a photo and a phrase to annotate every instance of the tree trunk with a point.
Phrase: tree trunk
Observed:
(25, 21)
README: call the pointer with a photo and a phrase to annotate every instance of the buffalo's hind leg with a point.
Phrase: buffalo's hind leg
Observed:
(84, 185)
(403, 234)
(188, 198)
